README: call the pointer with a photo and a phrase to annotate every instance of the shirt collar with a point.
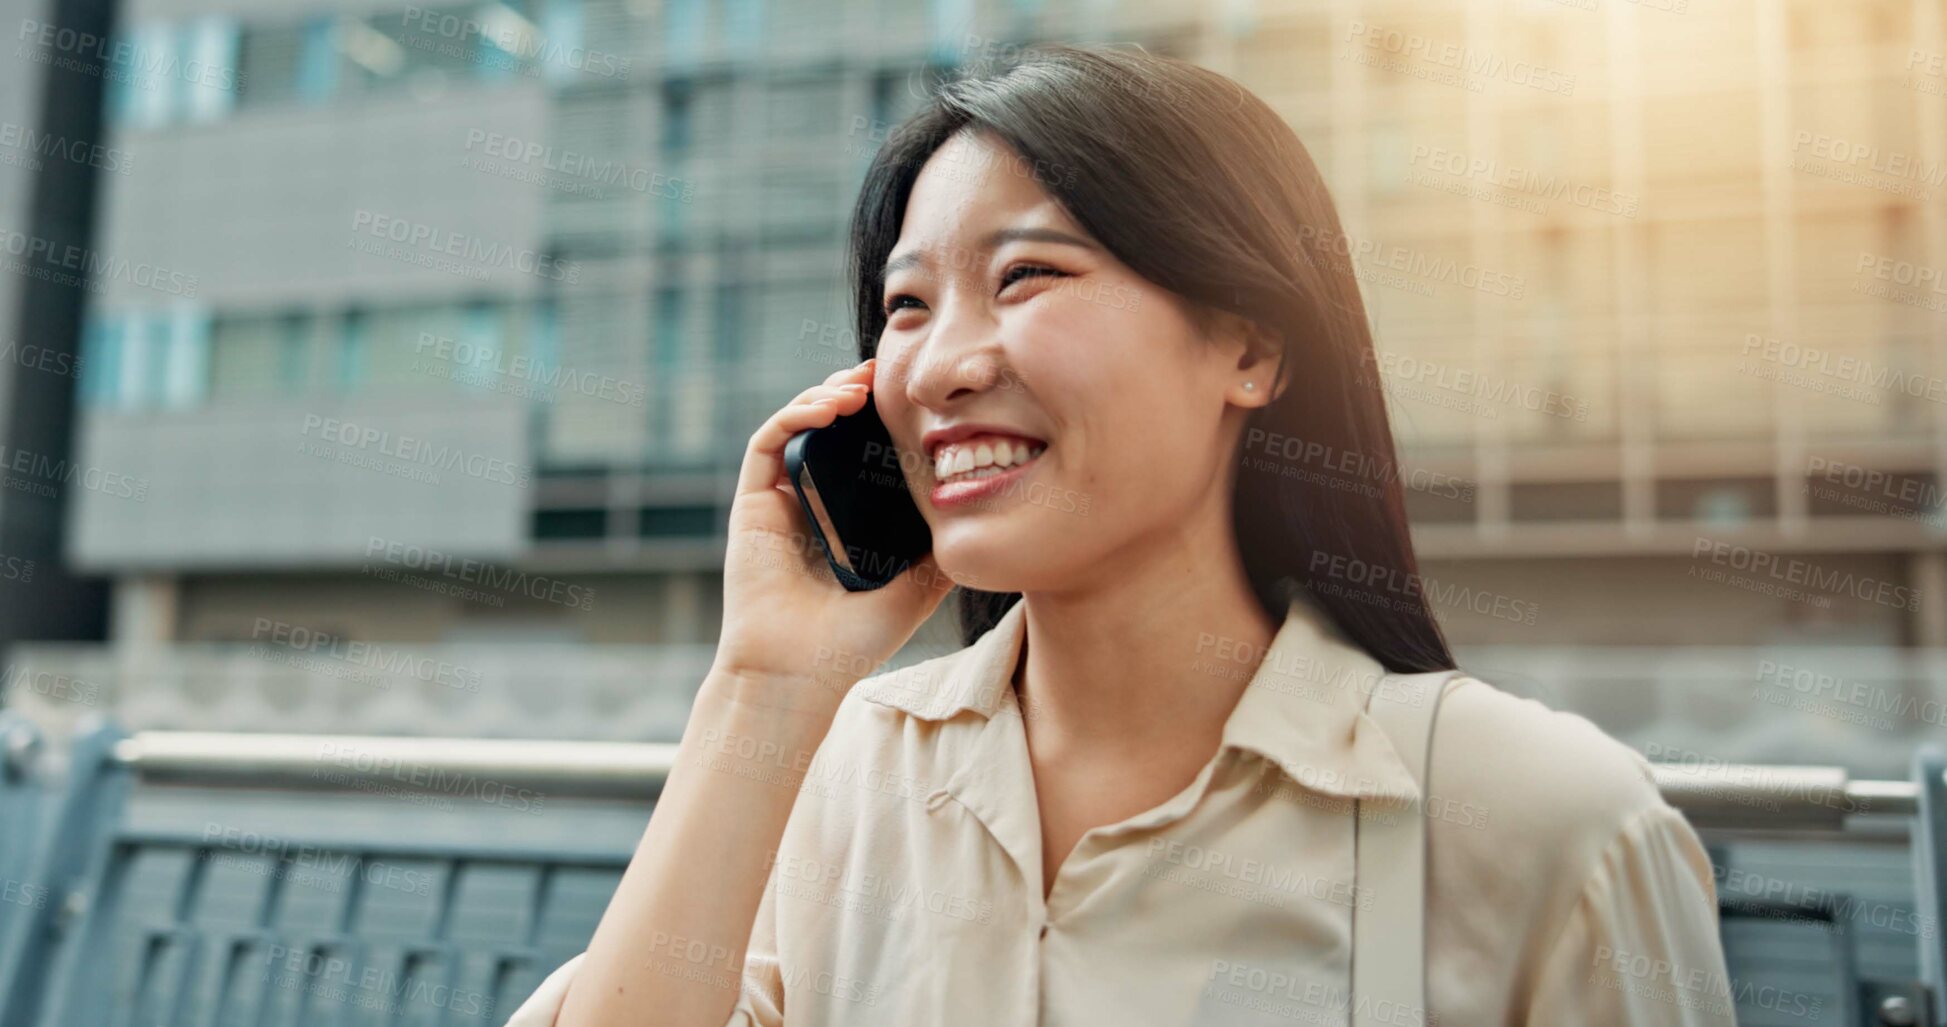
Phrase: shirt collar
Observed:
(1303, 709)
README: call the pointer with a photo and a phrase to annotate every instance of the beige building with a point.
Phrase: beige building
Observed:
(1658, 289)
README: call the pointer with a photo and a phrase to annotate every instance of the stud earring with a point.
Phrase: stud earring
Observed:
(1250, 386)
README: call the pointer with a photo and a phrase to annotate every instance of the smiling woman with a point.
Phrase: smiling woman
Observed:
(1187, 769)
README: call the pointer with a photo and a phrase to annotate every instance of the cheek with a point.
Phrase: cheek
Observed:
(1122, 383)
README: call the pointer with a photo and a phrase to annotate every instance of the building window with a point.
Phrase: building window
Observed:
(317, 60)
(293, 347)
(563, 25)
(683, 32)
(950, 23)
(743, 27)
(101, 358)
(544, 335)
(144, 91)
(677, 522)
(508, 42)
(354, 350)
(269, 57)
(481, 353)
(208, 76)
(186, 358)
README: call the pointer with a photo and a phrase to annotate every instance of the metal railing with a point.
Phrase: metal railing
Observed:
(90, 845)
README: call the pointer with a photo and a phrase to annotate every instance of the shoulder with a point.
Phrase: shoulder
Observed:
(1540, 775)
(1569, 847)
(1533, 808)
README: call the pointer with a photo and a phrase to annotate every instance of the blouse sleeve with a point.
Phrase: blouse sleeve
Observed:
(1641, 944)
(760, 999)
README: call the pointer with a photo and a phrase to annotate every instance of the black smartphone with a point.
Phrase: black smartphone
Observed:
(854, 494)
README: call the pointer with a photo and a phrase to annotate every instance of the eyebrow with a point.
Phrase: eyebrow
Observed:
(994, 240)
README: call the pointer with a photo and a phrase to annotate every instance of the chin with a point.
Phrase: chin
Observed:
(979, 557)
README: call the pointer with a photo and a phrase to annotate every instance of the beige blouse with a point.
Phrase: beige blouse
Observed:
(907, 889)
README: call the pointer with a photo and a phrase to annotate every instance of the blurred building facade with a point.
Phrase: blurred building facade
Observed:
(447, 324)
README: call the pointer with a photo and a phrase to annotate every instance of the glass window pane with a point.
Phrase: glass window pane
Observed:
(244, 356)
(209, 74)
(294, 352)
(101, 357)
(187, 366)
(354, 343)
(151, 92)
(272, 60)
(317, 59)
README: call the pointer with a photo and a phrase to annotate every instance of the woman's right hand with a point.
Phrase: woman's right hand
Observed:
(786, 618)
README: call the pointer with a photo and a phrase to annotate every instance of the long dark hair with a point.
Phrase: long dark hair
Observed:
(1201, 188)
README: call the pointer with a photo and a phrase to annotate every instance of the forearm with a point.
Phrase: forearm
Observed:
(672, 941)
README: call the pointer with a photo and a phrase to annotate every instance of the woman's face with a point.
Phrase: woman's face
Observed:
(1012, 335)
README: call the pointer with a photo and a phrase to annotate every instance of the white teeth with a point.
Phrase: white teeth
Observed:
(989, 456)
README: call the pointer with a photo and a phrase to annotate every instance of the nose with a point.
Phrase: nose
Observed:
(959, 358)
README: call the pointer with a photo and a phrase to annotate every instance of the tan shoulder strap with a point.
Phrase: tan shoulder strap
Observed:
(1389, 864)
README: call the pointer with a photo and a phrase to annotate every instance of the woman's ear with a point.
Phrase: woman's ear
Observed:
(1258, 354)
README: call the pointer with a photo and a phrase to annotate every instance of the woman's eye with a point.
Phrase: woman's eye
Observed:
(900, 302)
(1020, 271)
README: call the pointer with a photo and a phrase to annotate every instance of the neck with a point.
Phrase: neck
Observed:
(1153, 653)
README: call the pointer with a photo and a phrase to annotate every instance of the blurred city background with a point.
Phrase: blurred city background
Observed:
(372, 291)
(377, 369)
